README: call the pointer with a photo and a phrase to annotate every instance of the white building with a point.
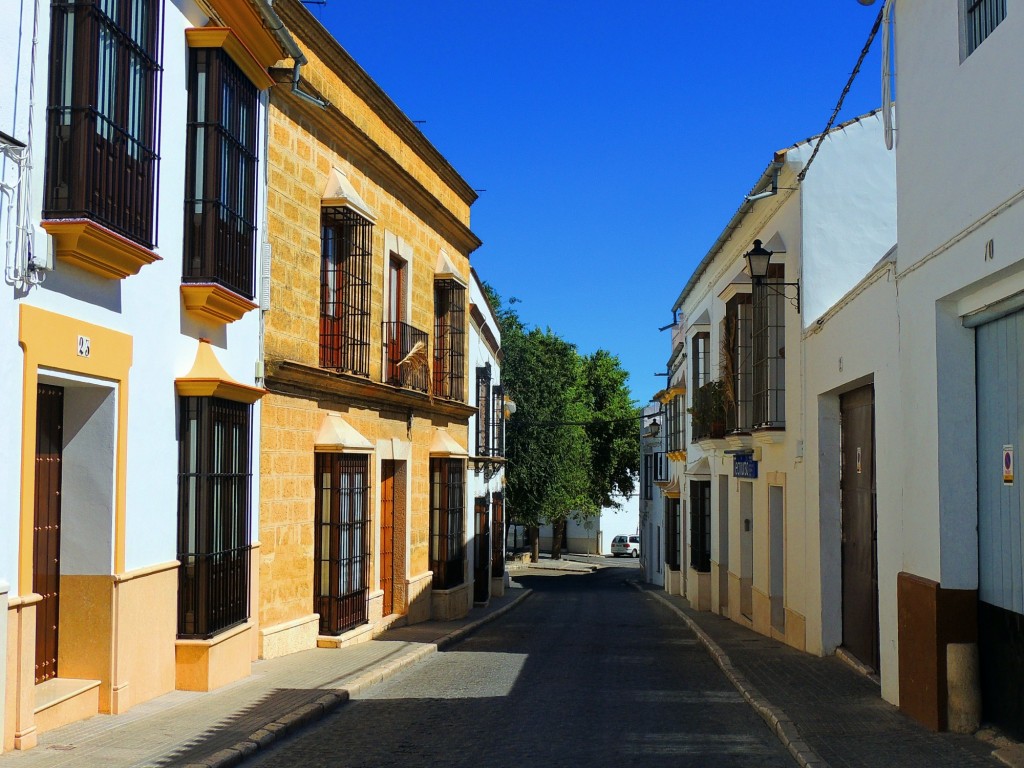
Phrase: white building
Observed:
(948, 413)
(129, 345)
(486, 521)
(750, 541)
(653, 476)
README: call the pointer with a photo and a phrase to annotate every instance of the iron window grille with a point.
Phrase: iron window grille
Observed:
(103, 114)
(769, 364)
(401, 367)
(673, 528)
(700, 525)
(497, 534)
(214, 480)
(447, 510)
(220, 178)
(345, 264)
(660, 467)
(675, 423)
(737, 368)
(980, 18)
(483, 410)
(700, 365)
(449, 339)
(498, 421)
(648, 477)
(342, 544)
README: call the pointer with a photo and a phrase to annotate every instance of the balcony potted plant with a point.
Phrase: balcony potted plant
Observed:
(709, 411)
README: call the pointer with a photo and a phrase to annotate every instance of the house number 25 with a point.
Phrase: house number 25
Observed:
(83, 346)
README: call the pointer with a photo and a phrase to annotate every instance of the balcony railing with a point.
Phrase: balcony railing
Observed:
(406, 361)
(213, 591)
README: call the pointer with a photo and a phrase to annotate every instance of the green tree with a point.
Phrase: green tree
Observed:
(572, 442)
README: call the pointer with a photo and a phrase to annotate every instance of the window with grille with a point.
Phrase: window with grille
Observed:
(345, 263)
(214, 481)
(978, 19)
(737, 365)
(675, 423)
(220, 175)
(648, 476)
(660, 467)
(700, 364)
(497, 421)
(768, 335)
(672, 537)
(700, 525)
(102, 137)
(342, 543)
(449, 339)
(447, 510)
(483, 410)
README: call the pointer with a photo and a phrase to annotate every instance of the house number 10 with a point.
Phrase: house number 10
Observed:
(83, 346)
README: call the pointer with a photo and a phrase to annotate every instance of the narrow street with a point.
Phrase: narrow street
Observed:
(588, 671)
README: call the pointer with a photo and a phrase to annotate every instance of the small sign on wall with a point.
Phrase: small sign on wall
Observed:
(84, 346)
(743, 465)
(1007, 465)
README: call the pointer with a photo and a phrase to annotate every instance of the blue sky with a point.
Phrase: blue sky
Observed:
(614, 140)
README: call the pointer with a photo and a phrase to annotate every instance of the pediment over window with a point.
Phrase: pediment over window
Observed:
(252, 29)
(207, 378)
(226, 39)
(445, 270)
(338, 436)
(443, 444)
(339, 191)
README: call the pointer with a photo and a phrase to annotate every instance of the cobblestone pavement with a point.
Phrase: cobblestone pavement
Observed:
(836, 710)
(585, 673)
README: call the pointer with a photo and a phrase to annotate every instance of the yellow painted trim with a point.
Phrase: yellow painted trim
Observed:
(50, 341)
(215, 302)
(226, 39)
(209, 379)
(96, 249)
(247, 23)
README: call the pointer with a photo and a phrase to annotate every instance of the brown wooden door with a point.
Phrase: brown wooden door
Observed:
(387, 535)
(46, 530)
(497, 535)
(859, 547)
(482, 559)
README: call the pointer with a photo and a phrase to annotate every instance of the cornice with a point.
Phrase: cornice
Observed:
(336, 124)
(305, 26)
(286, 377)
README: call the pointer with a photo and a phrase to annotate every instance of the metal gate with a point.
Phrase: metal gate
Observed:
(46, 529)
(1000, 367)
(482, 560)
(860, 524)
(387, 535)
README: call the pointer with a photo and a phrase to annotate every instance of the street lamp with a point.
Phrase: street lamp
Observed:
(652, 429)
(758, 259)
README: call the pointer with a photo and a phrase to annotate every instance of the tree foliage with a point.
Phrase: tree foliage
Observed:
(572, 443)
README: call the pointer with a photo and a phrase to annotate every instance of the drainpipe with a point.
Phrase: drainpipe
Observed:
(284, 37)
(776, 167)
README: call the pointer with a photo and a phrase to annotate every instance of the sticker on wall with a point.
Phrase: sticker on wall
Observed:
(1007, 465)
(858, 460)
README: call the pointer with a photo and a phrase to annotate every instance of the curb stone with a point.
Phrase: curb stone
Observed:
(776, 719)
(310, 712)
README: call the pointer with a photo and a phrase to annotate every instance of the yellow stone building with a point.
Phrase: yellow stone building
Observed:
(364, 428)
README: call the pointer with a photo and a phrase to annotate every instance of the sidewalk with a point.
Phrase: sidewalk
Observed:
(220, 728)
(825, 712)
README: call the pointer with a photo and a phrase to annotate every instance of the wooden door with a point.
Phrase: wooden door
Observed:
(46, 529)
(497, 535)
(859, 546)
(387, 535)
(482, 559)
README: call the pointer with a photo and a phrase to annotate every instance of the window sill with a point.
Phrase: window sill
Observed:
(96, 249)
(769, 435)
(214, 303)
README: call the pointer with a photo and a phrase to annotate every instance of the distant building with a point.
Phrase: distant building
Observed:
(653, 477)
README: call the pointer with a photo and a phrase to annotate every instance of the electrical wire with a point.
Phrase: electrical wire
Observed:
(846, 90)
(591, 423)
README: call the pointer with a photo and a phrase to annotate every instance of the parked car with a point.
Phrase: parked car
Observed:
(626, 545)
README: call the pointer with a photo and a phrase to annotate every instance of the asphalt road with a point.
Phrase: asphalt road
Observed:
(587, 672)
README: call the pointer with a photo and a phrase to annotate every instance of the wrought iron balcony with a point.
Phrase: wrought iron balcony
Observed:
(406, 360)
